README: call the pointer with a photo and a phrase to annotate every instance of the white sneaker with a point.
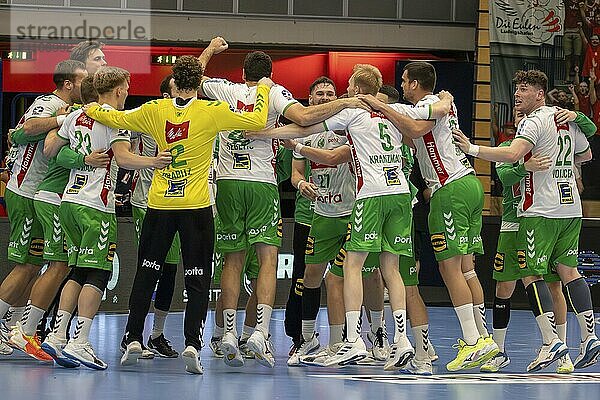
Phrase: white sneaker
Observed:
(548, 354)
(215, 346)
(565, 365)
(247, 354)
(132, 353)
(431, 352)
(231, 352)
(400, 354)
(418, 367)
(262, 348)
(588, 352)
(319, 359)
(306, 347)
(5, 350)
(350, 352)
(84, 353)
(191, 358)
(381, 345)
(495, 363)
(53, 346)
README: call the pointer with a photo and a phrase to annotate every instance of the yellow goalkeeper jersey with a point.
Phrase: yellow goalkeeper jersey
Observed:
(188, 132)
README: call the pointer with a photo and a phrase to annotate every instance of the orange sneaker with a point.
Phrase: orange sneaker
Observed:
(30, 345)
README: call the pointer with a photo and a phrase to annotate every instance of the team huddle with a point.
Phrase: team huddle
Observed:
(205, 192)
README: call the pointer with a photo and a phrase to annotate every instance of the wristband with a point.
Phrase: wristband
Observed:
(299, 146)
(473, 150)
(299, 183)
(60, 119)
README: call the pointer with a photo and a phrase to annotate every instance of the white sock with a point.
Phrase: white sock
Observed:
(16, 313)
(421, 335)
(562, 332)
(31, 318)
(218, 331)
(308, 329)
(82, 330)
(336, 334)
(467, 323)
(353, 325)
(479, 314)
(61, 324)
(263, 318)
(548, 329)
(499, 336)
(247, 331)
(399, 325)
(4, 306)
(229, 318)
(158, 326)
(376, 320)
(586, 324)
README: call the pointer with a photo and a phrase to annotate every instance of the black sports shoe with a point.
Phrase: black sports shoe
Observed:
(162, 347)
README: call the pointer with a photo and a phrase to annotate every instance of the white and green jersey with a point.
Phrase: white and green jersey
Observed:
(440, 159)
(88, 186)
(551, 193)
(376, 147)
(140, 184)
(335, 183)
(26, 162)
(241, 158)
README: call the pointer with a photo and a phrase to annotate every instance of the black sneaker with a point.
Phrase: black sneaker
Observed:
(162, 347)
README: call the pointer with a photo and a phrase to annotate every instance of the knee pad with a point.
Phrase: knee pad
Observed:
(97, 278)
(470, 274)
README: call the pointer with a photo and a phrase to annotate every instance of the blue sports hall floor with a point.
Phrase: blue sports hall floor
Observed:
(23, 378)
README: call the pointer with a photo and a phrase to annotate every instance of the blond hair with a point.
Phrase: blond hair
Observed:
(367, 77)
(108, 78)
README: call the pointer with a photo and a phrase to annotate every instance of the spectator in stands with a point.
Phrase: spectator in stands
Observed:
(582, 91)
(560, 98)
(592, 56)
(572, 41)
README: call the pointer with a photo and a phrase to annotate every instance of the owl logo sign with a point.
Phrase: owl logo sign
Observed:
(530, 22)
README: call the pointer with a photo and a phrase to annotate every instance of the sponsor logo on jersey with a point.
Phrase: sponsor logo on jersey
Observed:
(112, 248)
(402, 239)
(86, 251)
(392, 176)
(150, 264)
(176, 188)
(499, 262)
(438, 242)
(371, 236)
(434, 157)
(228, 236)
(330, 198)
(85, 121)
(106, 184)
(193, 272)
(565, 192)
(377, 114)
(27, 160)
(573, 252)
(242, 161)
(521, 259)
(176, 132)
(79, 181)
(37, 110)
(528, 185)
(241, 106)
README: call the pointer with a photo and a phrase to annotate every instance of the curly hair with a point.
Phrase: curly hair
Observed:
(257, 64)
(532, 77)
(187, 73)
(108, 78)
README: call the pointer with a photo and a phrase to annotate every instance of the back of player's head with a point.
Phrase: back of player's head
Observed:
(321, 80)
(88, 91)
(165, 85)
(66, 71)
(532, 77)
(368, 78)
(83, 49)
(422, 72)
(391, 92)
(257, 64)
(187, 73)
(108, 78)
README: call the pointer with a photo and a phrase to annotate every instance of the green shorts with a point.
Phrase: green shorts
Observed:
(408, 267)
(326, 237)
(455, 218)
(91, 236)
(251, 267)
(506, 265)
(173, 256)
(546, 242)
(26, 240)
(382, 223)
(55, 245)
(249, 213)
